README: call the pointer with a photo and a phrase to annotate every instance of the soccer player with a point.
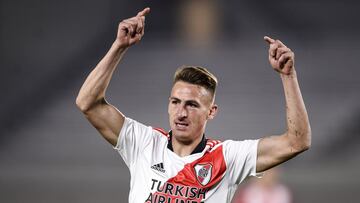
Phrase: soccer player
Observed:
(182, 165)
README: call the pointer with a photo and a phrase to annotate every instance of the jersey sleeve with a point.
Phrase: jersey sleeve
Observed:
(133, 137)
(240, 157)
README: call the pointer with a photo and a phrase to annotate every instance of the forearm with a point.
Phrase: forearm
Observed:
(298, 126)
(94, 88)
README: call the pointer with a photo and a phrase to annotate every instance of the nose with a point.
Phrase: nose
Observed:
(181, 112)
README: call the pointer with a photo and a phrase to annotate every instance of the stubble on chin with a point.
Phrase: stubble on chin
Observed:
(183, 138)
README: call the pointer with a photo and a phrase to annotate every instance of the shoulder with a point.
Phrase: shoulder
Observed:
(162, 132)
(240, 144)
(134, 130)
(212, 144)
(233, 149)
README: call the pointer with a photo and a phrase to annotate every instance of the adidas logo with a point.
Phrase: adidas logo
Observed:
(158, 167)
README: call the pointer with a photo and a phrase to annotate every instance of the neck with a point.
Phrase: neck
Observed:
(182, 148)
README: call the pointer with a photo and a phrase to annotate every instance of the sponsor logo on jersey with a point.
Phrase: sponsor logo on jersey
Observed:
(159, 167)
(203, 173)
(165, 192)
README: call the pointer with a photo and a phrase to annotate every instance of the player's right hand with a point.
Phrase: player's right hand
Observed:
(131, 30)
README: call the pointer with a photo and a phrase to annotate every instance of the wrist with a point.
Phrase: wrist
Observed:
(291, 75)
(119, 46)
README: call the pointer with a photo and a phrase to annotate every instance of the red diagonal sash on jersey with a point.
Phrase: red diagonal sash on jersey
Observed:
(194, 180)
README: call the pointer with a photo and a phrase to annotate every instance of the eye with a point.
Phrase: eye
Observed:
(173, 101)
(193, 105)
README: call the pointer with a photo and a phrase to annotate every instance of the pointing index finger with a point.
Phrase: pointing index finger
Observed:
(144, 12)
(269, 40)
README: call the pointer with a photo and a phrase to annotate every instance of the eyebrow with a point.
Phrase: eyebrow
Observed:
(187, 101)
(174, 98)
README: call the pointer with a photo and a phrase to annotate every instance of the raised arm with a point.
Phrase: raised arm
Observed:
(277, 149)
(91, 98)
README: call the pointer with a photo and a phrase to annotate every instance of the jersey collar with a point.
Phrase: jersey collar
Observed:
(198, 149)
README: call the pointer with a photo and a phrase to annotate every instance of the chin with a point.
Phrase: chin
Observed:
(181, 135)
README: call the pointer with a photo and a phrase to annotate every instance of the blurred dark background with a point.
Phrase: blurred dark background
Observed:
(50, 153)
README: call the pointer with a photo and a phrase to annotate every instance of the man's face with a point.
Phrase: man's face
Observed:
(190, 106)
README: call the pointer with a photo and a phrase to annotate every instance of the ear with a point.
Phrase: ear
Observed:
(213, 111)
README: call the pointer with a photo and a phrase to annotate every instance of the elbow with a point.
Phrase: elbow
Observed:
(82, 104)
(85, 105)
(307, 138)
(307, 144)
(302, 141)
(300, 147)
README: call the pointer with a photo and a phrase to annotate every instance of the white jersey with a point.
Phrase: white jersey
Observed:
(210, 174)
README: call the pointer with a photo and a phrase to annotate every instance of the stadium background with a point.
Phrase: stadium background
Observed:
(50, 153)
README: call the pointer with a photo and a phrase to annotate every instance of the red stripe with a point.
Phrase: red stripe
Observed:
(212, 143)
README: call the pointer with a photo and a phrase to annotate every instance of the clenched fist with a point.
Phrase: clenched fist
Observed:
(131, 30)
(281, 58)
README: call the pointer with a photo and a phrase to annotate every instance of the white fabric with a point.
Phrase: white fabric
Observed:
(145, 151)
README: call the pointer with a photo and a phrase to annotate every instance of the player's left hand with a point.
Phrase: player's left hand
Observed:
(281, 58)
